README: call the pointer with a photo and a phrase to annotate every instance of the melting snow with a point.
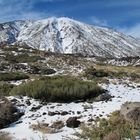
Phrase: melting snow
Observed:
(121, 93)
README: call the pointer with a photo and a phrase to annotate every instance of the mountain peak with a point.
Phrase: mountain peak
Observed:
(65, 35)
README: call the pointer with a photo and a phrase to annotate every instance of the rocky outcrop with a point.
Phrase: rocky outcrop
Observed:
(103, 97)
(72, 122)
(8, 113)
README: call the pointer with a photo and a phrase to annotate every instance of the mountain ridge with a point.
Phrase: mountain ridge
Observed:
(68, 36)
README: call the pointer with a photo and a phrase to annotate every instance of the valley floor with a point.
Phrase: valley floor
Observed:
(85, 111)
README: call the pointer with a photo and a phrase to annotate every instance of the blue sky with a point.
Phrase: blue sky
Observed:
(123, 15)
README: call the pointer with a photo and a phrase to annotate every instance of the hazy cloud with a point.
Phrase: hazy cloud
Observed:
(133, 31)
(20, 9)
(98, 21)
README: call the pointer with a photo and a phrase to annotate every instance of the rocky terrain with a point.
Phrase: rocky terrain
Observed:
(58, 75)
(57, 120)
(48, 120)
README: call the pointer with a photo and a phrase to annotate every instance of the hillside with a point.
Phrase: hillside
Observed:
(64, 35)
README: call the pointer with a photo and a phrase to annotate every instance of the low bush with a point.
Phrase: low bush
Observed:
(5, 89)
(22, 58)
(116, 128)
(58, 89)
(41, 70)
(94, 73)
(4, 66)
(47, 71)
(9, 76)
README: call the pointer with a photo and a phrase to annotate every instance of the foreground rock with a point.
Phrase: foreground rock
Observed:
(72, 122)
(131, 112)
(103, 97)
(8, 113)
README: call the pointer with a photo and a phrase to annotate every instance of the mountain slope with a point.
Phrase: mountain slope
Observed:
(65, 35)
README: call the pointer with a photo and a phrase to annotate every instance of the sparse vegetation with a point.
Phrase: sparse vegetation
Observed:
(5, 89)
(116, 128)
(58, 89)
(94, 73)
(5, 136)
(9, 76)
(22, 58)
(44, 128)
(112, 71)
(37, 69)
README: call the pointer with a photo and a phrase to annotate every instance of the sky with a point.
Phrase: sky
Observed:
(123, 15)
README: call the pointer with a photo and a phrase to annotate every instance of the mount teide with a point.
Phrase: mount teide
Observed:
(64, 35)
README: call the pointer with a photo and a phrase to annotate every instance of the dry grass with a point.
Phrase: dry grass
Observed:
(5, 136)
(119, 72)
(129, 69)
(44, 128)
(116, 128)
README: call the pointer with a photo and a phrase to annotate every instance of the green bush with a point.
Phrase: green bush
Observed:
(9, 76)
(47, 71)
(94, 73)
(36, 69)
(5, 89)
(58, 89)
(116, 128)
(22, 58)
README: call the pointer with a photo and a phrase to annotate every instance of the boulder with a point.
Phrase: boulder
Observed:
(103, 97)
(28, 102)
(8, 113)
(63, 113)
(53, 113)
(35, 108)
(72, 122)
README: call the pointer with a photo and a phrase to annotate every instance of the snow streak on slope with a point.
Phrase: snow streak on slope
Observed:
(65, 35)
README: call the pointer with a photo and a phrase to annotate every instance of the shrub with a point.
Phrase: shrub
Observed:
(8, 76)
(58, 89)
(44, 128)
(93, 73)
(116, 72)
(41, 70)
(116, 128)
(22, 58)
(3, 66)
(47, 71)
(5, 89)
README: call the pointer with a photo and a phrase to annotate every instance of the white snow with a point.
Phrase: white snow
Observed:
(121, 93)
(66, 35)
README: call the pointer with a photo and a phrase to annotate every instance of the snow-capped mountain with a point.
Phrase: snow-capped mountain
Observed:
(65, 35)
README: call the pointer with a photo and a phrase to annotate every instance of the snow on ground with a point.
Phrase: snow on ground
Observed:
(121, 93)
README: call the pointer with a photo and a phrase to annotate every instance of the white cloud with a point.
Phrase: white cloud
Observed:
(98, 21)
(133, 31)
(21, 9)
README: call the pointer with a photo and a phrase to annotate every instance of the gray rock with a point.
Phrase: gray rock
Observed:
(8, 113)
(72, 122)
